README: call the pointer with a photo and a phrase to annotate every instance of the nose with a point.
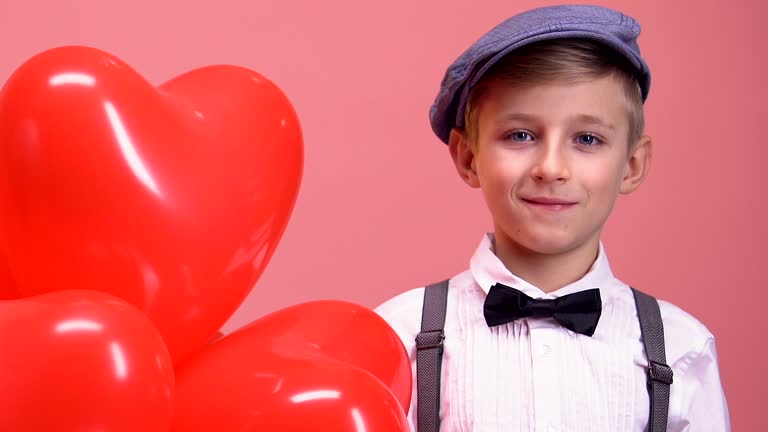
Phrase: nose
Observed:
(551, 163)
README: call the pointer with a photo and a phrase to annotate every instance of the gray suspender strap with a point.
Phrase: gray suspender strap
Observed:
(659, 373)
(429, 357)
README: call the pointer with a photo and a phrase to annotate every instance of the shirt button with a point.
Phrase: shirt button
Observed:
(546, 350)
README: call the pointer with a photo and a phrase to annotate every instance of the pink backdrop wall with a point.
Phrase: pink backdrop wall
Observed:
(379, 208)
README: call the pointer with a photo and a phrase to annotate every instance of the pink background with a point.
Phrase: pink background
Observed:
(381, 209)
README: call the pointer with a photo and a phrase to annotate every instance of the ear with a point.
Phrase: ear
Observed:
(638, 165)
(463, 157)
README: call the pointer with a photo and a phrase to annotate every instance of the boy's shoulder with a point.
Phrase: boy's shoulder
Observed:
(403, 312)
(404, 308)
(413, 298)
(684, 334)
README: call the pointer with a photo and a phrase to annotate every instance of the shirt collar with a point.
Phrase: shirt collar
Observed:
(488, 269)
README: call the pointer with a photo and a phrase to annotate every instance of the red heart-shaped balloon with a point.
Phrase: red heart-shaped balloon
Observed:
(7, 285)
(330, 365)
(82, 361)
(291, 394)
(172, 198)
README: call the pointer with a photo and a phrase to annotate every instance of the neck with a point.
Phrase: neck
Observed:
(548, 272)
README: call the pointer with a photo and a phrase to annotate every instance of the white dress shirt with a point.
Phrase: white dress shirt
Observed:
(534, 375)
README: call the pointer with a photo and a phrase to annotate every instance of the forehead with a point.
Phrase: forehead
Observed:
(557, 101)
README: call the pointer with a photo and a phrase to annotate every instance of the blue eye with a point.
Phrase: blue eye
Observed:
(520, 136)
(588, 140)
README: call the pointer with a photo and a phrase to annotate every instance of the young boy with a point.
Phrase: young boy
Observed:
(545, 115)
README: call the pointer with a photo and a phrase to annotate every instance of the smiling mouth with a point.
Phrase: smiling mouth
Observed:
(551, 204)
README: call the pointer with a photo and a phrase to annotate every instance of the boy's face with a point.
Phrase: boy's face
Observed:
(551, 160)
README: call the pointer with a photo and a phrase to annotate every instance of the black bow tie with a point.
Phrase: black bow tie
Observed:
(578, 312)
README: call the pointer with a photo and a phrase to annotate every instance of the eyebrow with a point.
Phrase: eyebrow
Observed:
(519, 116)
(586, 118)
(583, 118)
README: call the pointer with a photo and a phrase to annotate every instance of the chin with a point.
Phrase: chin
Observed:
(547, 243)
(550, 248)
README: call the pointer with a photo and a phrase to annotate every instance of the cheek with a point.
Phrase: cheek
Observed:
(501, 169)
(603, 182)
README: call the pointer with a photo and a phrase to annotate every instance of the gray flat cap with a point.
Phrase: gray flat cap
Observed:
(600, 24)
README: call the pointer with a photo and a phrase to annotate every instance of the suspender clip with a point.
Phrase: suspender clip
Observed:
(660, 372)
(430, 339)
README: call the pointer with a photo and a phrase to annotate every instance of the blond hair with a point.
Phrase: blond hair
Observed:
(569, 60)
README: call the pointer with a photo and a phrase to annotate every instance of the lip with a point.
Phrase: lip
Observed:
(548, 203)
